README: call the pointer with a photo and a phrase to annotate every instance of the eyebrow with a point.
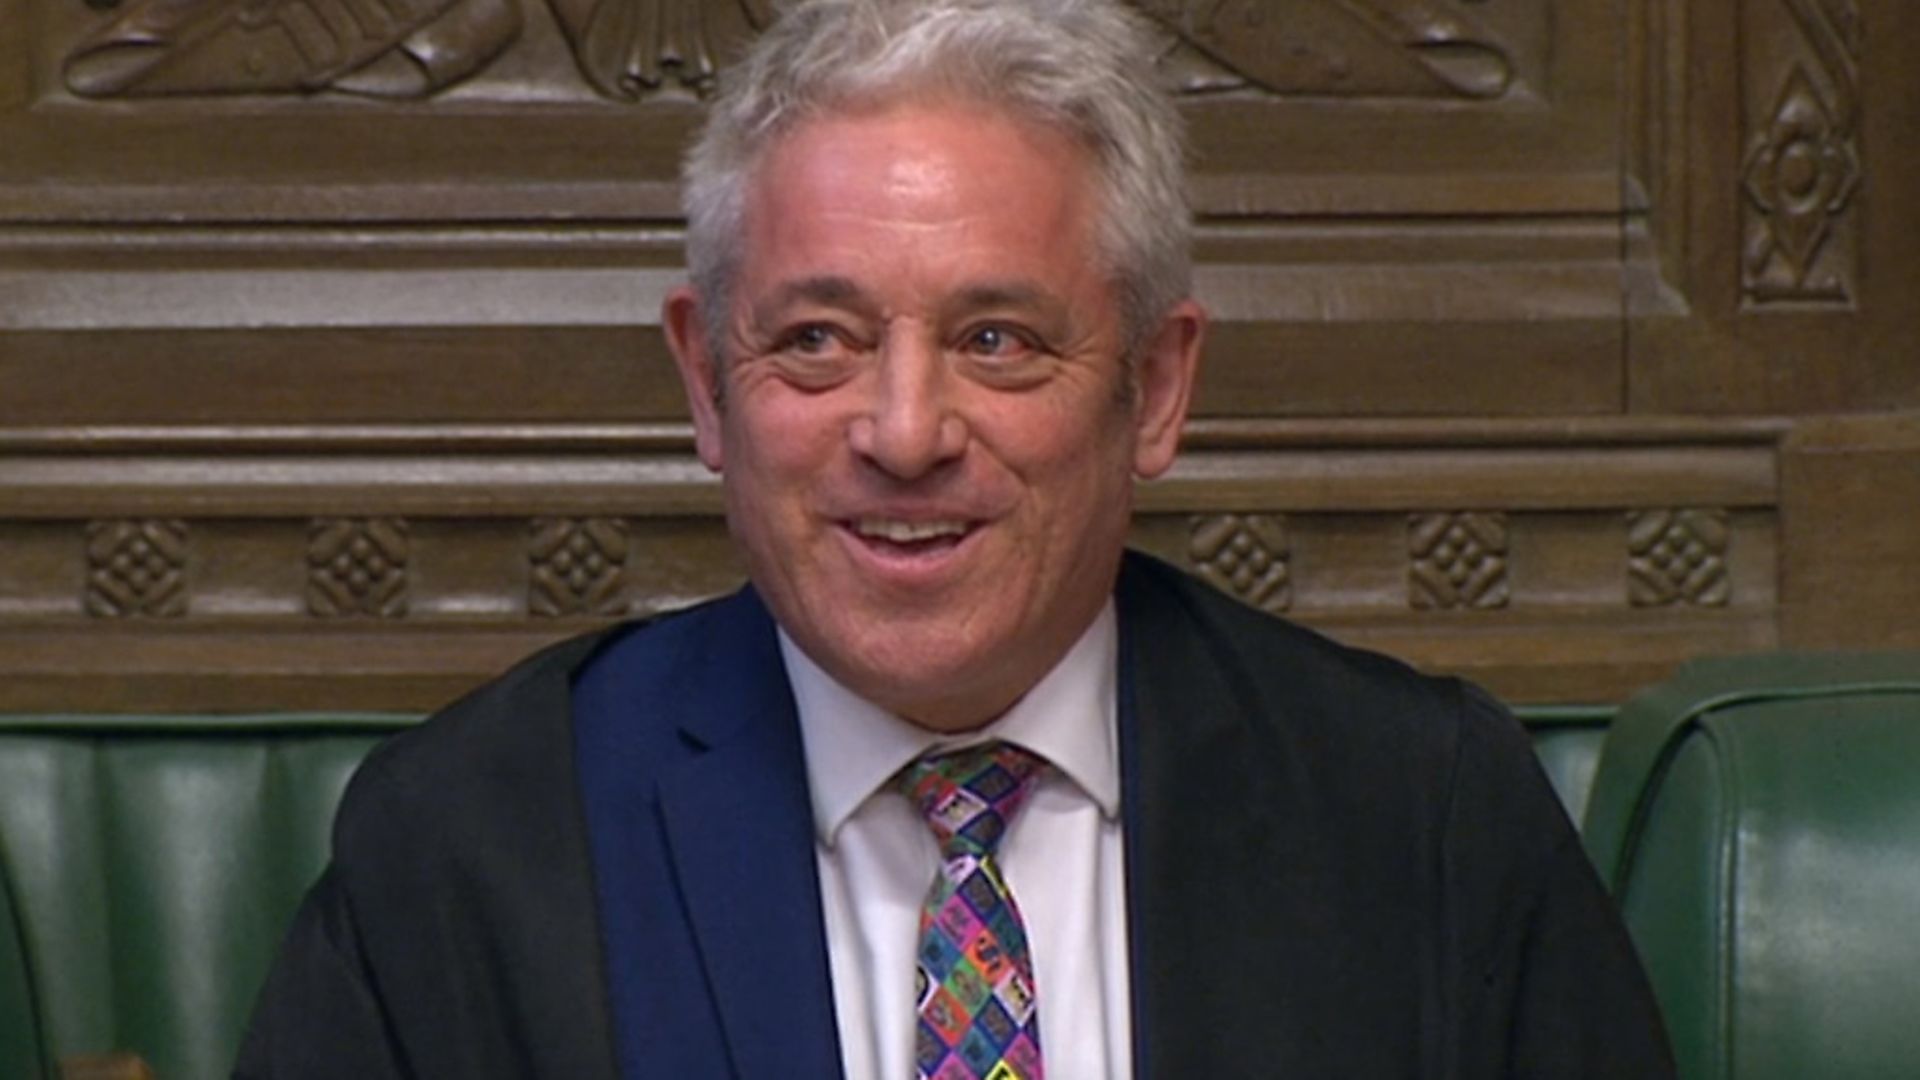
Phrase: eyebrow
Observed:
(1013, 294)
(836, 291)
(827, 290)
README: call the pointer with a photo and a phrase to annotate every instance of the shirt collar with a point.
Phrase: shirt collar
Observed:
(854, 747)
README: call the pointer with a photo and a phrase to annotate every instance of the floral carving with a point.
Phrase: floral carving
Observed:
(1800, 175)
(1245, 555)
(576, 566)
(386, 48)
(1802, 169)
(357, 566)
(1677, 557)
(637, 50)
(630, 49)
(624, 49)
(136, 568)
(1459, 560)
(1380, 48)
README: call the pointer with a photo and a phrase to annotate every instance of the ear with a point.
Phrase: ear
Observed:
(686, 332)
(1163, 381)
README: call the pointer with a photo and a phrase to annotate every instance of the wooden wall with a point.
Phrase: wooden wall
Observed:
(1557, 340)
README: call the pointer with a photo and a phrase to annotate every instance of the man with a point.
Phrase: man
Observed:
(954, 787)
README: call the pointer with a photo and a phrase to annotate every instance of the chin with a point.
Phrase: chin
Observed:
(921, 680)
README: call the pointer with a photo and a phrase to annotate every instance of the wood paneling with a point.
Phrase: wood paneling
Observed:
(162, 546)
(1850, 493)
(1773, 165)
(1555, 342)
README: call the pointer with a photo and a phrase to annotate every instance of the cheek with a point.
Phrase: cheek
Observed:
(778, 441)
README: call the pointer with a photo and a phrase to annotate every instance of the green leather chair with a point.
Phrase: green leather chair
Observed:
(1759, 818)
(1568, 741)
(148, 866)
(1759, 821)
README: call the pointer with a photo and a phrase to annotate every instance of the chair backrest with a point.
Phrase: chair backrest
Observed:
(1568, 740)
(1759, 821)
(148, 866)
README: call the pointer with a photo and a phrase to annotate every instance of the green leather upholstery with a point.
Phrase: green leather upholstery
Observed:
(1759, 820)
(1756, 816)
(148, 866)
(1568, 740)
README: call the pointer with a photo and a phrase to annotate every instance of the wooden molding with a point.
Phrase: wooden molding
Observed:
(412, 560)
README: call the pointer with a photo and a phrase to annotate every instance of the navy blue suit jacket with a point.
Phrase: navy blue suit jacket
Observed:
(602, 866)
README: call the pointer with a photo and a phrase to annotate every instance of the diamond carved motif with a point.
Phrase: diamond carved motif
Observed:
(357, 566)
(136, 567)
(1677, 557)
(1244, 555)
(576, 566)
(1802, 169)
(1800, 176)
(1459, 560)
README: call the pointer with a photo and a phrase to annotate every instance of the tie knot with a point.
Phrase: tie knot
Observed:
(969, 795)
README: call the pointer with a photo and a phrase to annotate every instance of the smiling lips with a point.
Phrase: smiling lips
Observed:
(910, 537)
(909, 532)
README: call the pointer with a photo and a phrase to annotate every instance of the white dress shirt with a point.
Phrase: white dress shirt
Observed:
(1061, 857)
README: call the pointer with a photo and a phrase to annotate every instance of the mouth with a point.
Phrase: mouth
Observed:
(894, 538)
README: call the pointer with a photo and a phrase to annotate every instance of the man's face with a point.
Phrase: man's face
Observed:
(925, 425)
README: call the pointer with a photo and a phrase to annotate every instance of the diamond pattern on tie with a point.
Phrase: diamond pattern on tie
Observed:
(979, 1019)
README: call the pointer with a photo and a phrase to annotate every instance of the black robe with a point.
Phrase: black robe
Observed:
(1336, 868)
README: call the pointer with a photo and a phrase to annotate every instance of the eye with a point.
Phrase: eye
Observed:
(810, 339)
(1004, 355)
(994, 341)
(815, 355)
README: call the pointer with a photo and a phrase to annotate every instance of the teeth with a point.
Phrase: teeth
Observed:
(907, 532)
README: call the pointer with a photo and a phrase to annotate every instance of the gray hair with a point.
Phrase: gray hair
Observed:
(1084, 67)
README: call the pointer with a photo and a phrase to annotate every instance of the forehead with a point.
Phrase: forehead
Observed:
(953, 172)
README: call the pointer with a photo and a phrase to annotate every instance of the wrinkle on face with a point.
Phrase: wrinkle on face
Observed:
(924, 333)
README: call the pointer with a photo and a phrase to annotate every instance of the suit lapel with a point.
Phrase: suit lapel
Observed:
(739, 826)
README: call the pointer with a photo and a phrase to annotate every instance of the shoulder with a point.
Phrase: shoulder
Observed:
(1405, 768)
(509, 744)
(1270, 671)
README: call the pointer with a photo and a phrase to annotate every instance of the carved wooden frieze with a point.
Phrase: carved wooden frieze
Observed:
(136, 567)
(389, 567)
(391, 48)
(1352, 48)
(357, 566)
(634, 50)
(1458, 560)
(576, 566)
(1802, 171)
(625, 50)
(1677, 557)
(1246, 555)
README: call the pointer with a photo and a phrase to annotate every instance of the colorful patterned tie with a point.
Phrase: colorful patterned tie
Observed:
(979, 1018)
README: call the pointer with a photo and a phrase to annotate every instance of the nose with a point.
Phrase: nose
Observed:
(909, 428)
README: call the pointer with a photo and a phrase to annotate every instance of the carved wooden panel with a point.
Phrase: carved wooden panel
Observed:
(1458, 560)
(1770, 158)
(576, 565)
(1554, 341)
(411, 562)
(136, 567)
(1678, 557)
(388, 191)
(1802, 166)
(357, 567)
(1245, 555)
